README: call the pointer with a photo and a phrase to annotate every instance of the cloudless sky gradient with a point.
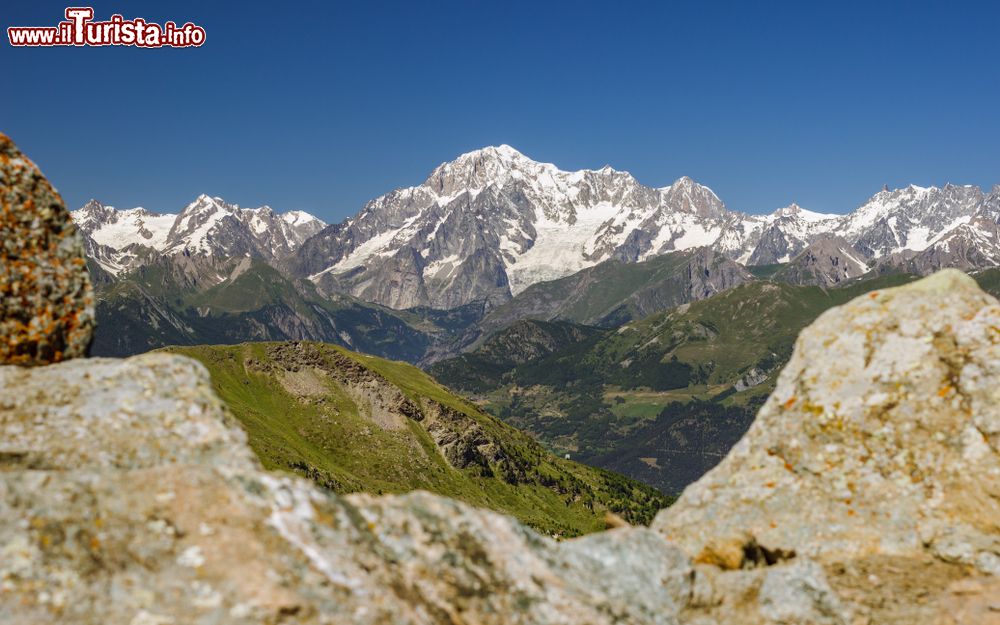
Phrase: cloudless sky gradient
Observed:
(323, 105)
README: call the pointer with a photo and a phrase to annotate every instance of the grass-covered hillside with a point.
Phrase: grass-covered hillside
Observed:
(353, 422)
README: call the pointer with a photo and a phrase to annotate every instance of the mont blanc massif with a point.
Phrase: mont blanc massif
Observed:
(633, 328)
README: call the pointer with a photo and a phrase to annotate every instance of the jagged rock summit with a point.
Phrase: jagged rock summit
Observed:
(46, 300)
(827, 261)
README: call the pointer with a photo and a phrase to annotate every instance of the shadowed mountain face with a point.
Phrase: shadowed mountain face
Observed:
(162, 303)
(827, 261)
(614, 292)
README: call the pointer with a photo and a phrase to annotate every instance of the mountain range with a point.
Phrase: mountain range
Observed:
(120, 240)
(492, 223)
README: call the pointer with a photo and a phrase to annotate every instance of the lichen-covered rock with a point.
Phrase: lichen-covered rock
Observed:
(127, 496)
(879, 450)
(46, 300)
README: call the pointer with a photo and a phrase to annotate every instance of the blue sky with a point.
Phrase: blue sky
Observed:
(322, 106)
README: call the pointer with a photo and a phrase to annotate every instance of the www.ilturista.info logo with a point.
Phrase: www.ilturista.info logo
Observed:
(79, 29)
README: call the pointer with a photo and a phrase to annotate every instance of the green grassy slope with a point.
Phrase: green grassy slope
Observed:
(359, 423)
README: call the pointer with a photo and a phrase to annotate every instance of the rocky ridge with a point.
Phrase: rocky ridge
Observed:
(461, 440)
(827, 261)
(121, 240)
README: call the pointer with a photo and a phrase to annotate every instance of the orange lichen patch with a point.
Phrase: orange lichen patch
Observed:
(45, 293)
(873, 294)
(788, 404)
(944, 390)
(788, 466)
(726, 554)
(769, 485)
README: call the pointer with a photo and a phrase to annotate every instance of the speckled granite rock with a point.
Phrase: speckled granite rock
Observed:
(879, 451)
(127, 497)
(46, 301)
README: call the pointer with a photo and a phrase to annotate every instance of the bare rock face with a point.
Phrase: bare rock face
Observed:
(46, 300)
(878, 452)
(827, 261)
(127, 496)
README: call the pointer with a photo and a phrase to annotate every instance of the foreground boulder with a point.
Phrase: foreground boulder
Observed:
(128, 496)
(46, 300)
(877, 455)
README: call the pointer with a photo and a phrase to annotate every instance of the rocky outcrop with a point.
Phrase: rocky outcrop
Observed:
(46, 300)
(879, 450)
(828, 261)
(459, 438)
(127, 496)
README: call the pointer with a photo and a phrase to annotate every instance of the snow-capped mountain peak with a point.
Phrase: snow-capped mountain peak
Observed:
(299, 218)
(495, 212)
(909, 218)
(207, 226)
(795, 211)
